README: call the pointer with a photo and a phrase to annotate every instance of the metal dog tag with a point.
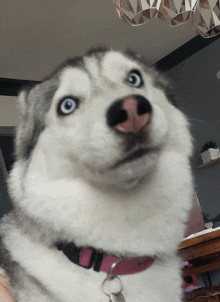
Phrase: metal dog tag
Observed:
(117, 298)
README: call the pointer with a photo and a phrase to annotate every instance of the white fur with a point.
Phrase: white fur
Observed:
(2, 272)
(139, 208)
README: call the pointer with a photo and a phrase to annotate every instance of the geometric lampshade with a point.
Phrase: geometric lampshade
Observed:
(178, 11)
(150, 8)
(137, 12)
(203, 14)
(207, 18)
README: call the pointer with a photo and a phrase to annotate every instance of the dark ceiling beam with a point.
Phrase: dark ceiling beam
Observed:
(11, 87)
(184, 52)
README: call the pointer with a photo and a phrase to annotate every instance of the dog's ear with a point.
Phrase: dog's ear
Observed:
(34, 104)
(25, 126)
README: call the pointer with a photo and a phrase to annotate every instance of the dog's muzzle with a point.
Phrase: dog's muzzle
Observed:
(130, 114)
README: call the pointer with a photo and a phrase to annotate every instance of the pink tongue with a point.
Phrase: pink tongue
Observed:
(135, 122)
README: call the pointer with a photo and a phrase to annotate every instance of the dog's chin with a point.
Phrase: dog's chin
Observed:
(135, 167)
(126, 172)
(132, 157)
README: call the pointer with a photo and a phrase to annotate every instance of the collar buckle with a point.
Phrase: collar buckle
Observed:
(84, 257)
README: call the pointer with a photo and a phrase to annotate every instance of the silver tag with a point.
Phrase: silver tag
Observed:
(117, 298)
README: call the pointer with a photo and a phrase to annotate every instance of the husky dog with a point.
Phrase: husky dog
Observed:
(101, 186)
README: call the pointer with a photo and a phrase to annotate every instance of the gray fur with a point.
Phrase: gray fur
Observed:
(34, 105)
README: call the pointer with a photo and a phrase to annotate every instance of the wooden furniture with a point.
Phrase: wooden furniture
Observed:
(203, 253)
(207, 294)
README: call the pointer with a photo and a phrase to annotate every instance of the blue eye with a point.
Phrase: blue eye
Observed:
(67, 105)
(134, 78)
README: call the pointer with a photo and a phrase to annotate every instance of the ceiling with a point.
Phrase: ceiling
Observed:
(37, 35)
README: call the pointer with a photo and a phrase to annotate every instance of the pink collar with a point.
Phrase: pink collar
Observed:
(90, 258)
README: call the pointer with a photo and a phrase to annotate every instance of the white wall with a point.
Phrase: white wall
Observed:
(8, 111)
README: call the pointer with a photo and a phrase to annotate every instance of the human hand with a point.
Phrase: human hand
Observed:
(5, 294)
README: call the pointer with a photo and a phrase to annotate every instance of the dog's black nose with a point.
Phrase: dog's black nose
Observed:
(130, 114)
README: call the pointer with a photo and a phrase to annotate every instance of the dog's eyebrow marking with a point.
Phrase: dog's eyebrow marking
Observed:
(94, 71)
(92, 67)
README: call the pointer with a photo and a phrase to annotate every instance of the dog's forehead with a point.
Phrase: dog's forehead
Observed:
(73, 79)
(95, 70)
(120, 59)
(110, 63)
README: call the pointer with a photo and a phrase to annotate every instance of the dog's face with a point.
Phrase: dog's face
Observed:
(104, 117)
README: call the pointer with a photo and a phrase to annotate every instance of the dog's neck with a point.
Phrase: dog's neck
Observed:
(99, 261)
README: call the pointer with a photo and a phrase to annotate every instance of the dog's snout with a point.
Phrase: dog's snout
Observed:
(130, 114)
